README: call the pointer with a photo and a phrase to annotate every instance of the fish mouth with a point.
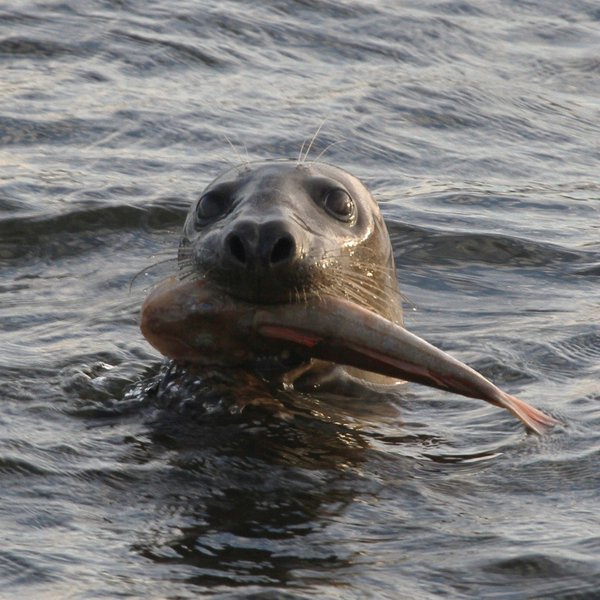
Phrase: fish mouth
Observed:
(194, 322)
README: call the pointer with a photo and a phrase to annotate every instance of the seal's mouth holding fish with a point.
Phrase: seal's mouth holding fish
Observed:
(195, 323)
(289, 264)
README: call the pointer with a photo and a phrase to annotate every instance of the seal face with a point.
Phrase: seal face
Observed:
(283, 232)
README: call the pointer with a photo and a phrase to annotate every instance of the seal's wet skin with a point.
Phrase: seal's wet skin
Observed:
(287, 269)
(280, 232)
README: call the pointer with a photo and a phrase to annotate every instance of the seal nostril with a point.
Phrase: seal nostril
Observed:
(236, 248)
(282, 251)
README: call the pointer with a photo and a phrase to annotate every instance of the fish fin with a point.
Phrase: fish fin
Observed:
(535, 420)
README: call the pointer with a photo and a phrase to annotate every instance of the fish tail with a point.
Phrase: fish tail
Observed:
(535, 420)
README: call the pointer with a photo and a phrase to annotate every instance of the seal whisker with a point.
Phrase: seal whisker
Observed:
(355, 267)
(144, 271)
(185, 261)
(299, 161)
(312, 141)
(331, 144)
(185, 257)
(241, 160)
(364, 290)
(378, 288)
(367, 274)
(191, 265)
(357, 293)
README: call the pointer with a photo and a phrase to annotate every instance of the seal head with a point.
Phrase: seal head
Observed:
(283, 232)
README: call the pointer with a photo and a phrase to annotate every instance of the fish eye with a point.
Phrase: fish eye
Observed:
(211, 206)
(340, 205)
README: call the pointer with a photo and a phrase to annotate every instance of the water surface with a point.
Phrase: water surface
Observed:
(475, 124)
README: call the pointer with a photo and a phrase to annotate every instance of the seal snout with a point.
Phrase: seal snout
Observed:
(262, 247)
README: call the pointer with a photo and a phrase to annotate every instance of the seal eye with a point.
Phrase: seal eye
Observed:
(339, 204)
(211, 206)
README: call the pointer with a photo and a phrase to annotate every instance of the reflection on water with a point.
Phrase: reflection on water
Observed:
(475, 124)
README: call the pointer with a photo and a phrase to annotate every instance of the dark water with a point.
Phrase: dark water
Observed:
(476, 124)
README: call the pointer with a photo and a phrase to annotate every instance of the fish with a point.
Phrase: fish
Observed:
(194, 322)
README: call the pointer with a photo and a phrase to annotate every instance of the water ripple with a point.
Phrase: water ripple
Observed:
(476, 124)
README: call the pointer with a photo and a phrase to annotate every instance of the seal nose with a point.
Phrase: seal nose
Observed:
(261, 246)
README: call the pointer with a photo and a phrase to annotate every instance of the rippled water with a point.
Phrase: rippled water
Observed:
(475, 124)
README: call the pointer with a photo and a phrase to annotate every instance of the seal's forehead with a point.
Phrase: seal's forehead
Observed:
(284, 170)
